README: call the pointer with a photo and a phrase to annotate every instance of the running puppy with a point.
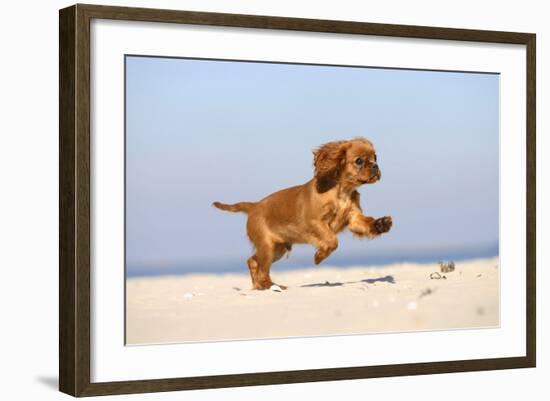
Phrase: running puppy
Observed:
(314, 212)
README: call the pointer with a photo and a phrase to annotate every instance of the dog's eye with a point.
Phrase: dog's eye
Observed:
(359, 161)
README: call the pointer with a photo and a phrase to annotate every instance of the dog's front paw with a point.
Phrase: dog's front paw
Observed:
(383, 224)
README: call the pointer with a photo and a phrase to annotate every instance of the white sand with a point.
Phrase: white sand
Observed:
(319, 301)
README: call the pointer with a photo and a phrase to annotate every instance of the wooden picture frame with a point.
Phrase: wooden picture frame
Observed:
(74, 199)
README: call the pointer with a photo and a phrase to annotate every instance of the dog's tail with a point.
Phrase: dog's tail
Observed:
(237, 207)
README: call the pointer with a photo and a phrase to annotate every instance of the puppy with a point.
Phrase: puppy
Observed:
(315, 212)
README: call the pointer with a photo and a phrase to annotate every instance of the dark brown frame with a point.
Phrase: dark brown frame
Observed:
(74, 199)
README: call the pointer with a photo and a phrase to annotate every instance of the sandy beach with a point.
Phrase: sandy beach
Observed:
(319, 301)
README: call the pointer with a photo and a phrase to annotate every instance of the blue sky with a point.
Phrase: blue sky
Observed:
(199, 131)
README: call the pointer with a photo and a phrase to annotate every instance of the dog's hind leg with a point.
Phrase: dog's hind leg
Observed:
(260, 269)
(260, 263)
(279, 251)
(268, 250)
(253, 267)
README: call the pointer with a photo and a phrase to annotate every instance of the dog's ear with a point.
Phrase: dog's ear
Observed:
(328, 163)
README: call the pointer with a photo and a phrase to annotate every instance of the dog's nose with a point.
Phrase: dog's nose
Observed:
(374, 168)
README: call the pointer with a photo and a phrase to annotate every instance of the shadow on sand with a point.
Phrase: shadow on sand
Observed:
(385, 279)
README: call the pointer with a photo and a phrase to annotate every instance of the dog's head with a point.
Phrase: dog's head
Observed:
(352, 163)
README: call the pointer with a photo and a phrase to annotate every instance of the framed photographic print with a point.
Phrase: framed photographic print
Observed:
(250, 200)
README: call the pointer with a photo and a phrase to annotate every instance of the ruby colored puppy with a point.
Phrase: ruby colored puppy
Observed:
(314, 212)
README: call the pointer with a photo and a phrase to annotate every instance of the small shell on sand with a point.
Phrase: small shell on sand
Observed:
(275, 288)
(411, 305)
(188, 295)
